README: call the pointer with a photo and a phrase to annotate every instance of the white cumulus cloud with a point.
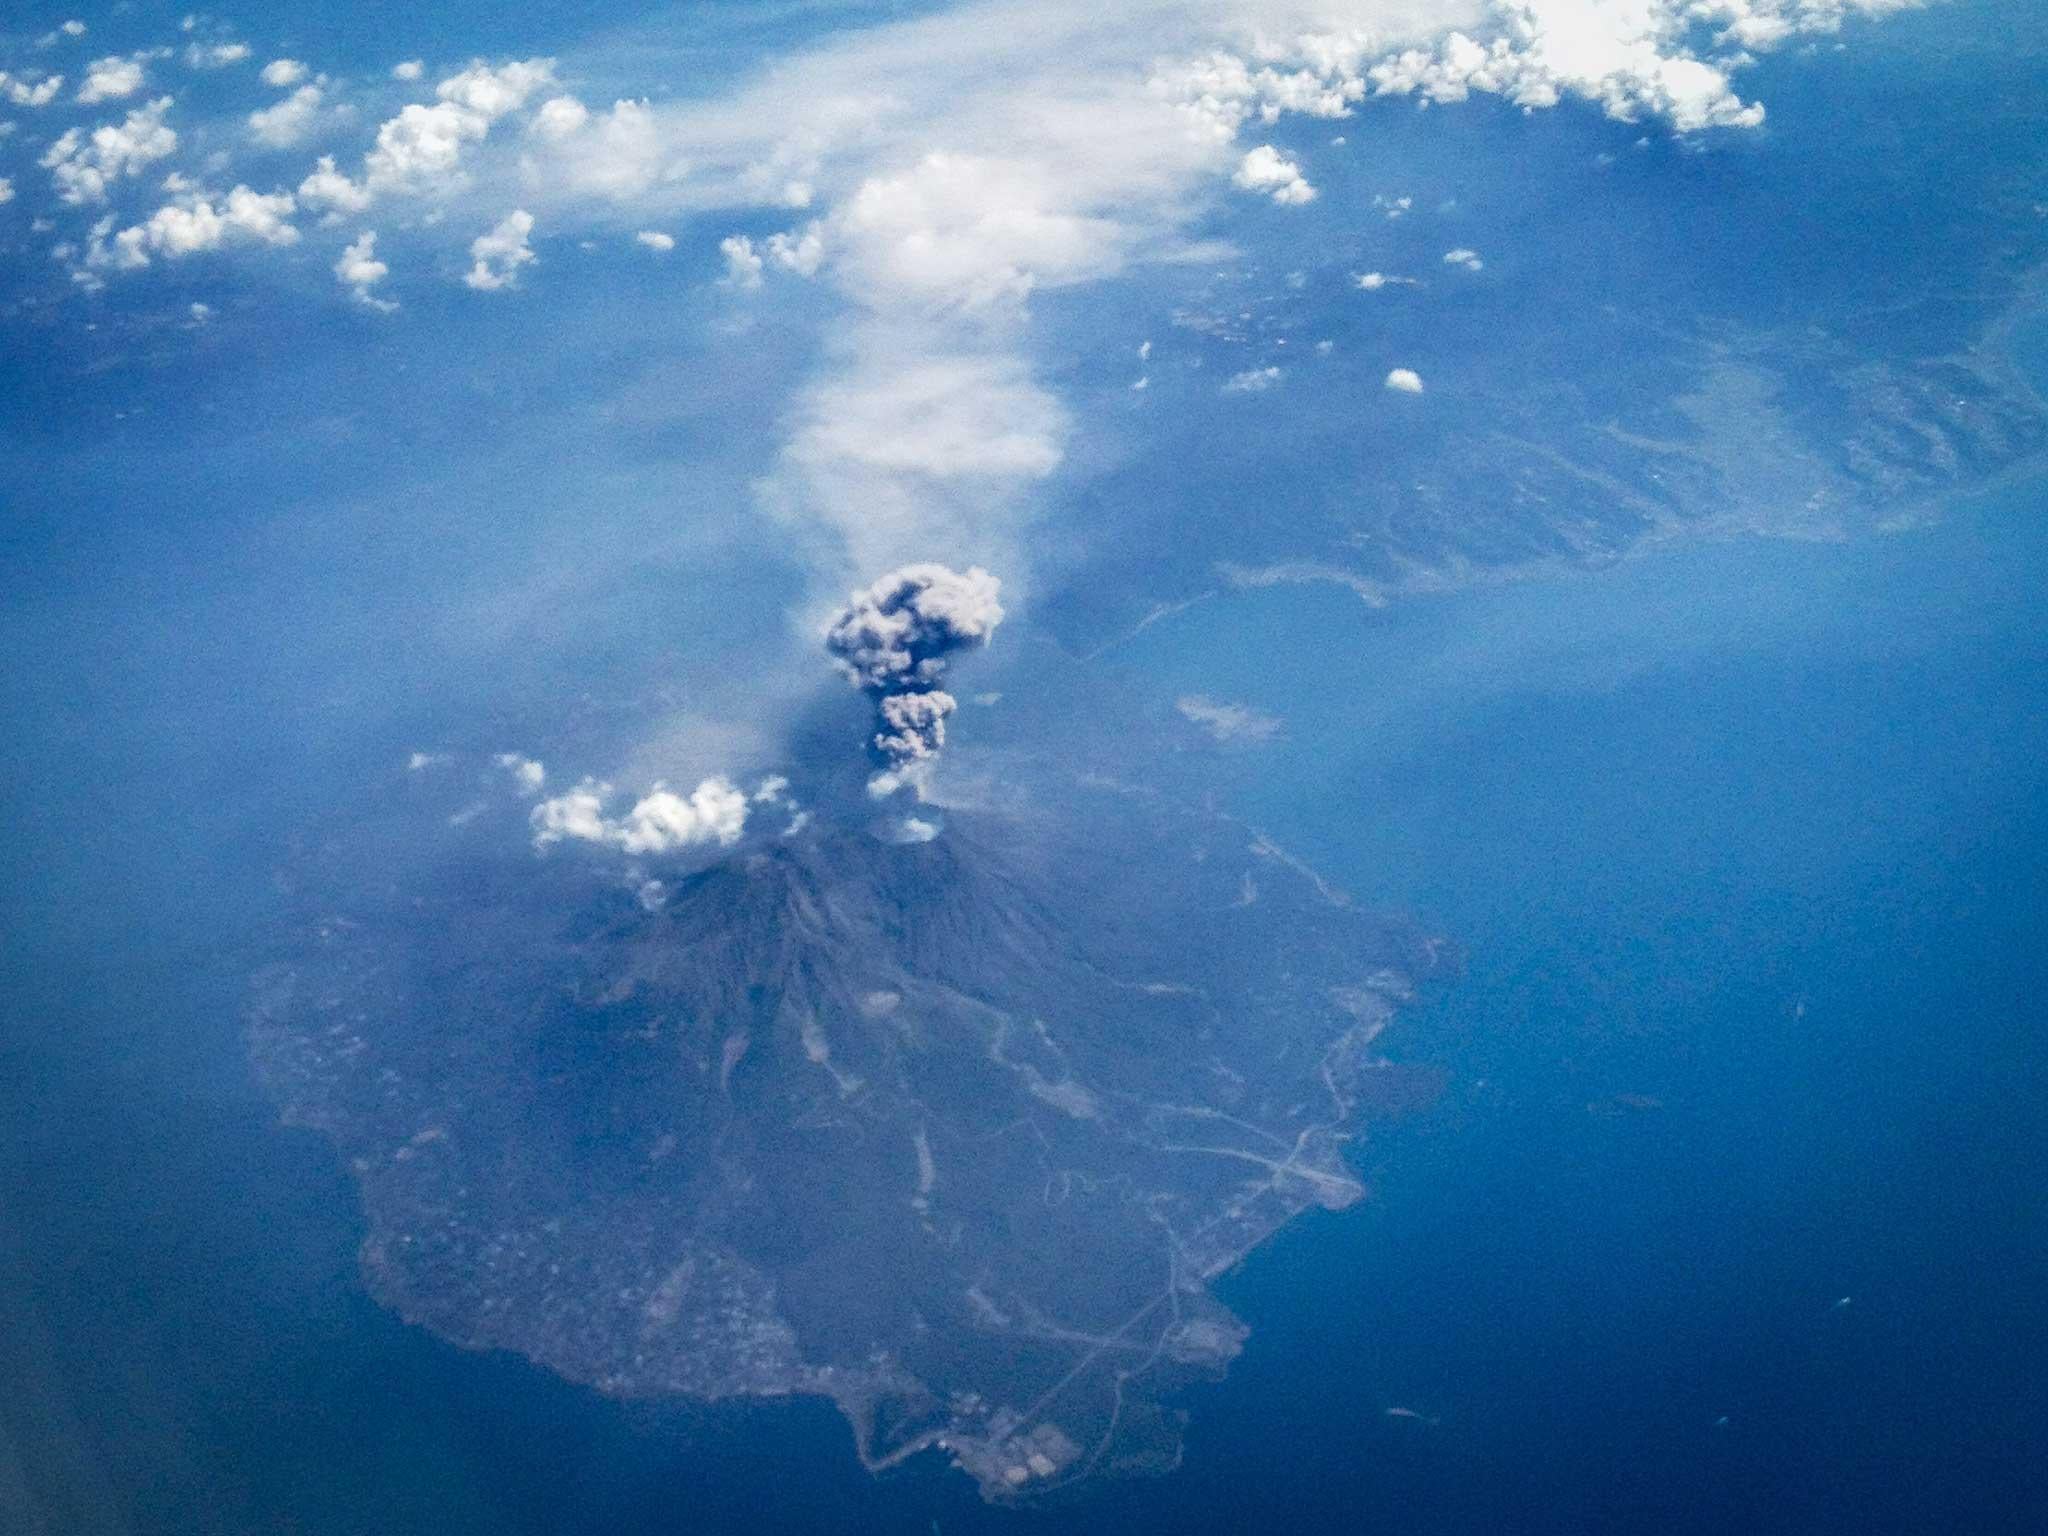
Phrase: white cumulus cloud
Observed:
(1266, 170)
(422, 148)
(742, 262)
(495, 258)
(947, 192)
(327, 188)
(286, 123)
(283, 72)
(559, 117)
(215, 55)
(111, 78)
(82, 167)
(656, 241)
(661, 821)
(620, 155)
(200, 224)
(30, 93)
(528, 774)
(798, 251)
(360, 271)
(1633, 58)
(491, 92)
(1405, 381)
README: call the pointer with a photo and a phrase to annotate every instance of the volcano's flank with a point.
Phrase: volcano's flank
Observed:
(956, 1132)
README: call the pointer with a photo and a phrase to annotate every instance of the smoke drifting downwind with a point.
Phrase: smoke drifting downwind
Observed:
(894, 642)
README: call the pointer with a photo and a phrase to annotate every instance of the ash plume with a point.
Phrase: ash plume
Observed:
(894, 642)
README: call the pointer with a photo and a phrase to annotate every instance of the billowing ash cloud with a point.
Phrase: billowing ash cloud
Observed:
(895, 637)
(913, 725)
(894, 641)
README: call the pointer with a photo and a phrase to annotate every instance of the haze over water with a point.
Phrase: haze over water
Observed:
(1725, 1214)
(1754, 832)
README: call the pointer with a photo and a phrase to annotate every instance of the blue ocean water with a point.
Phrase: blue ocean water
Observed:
(1746, 847)
(1749, 837)
(1754, 832)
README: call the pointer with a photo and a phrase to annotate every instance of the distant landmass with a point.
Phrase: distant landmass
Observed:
(956, 1131)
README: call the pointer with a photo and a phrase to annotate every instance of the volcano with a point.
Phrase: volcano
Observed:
(955, 1131)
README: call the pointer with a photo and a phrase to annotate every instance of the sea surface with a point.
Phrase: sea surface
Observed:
(1731, 1217)
(1728, 1216)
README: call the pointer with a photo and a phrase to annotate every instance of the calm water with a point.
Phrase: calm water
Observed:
(1757, 834)
(1745, 847)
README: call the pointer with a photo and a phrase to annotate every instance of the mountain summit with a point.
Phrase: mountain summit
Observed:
(956, 1131)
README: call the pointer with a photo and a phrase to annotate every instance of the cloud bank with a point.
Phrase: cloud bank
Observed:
(933, 178)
